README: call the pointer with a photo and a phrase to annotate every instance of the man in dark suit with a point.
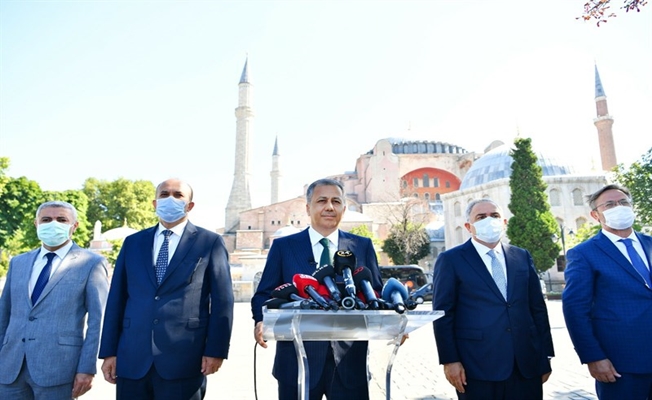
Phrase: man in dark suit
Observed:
(337, 370)
(170, 309)
(51, 313)
(607, 301)
(494, 339)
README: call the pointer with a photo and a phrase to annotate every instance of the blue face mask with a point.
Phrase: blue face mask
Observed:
(53, 233)
(170, 209)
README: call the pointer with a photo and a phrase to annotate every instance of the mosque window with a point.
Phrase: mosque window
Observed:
(437, 197)
(457, 209)
(577, 197)
(272, 222)
(416, 195)
(426, 180)
(555, 198)
(448, 184)
(404, 183)
(458, 235)
(415, 182)
(426, 196)
(435, 182)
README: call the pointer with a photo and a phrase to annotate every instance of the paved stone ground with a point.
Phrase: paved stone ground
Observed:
(415, 375)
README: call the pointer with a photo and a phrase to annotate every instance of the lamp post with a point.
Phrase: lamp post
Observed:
(561, 260)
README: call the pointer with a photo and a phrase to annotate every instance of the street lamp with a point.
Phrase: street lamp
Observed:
(561, 260)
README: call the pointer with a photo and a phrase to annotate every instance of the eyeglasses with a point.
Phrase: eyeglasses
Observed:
(611, 204)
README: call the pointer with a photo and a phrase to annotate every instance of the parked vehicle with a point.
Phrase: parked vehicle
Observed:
(412, 276)
(422, 294)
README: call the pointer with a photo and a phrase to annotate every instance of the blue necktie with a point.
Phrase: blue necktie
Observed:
(637, 261)
(497, 273)
(43, 278)
(325, 254)
(162, 259)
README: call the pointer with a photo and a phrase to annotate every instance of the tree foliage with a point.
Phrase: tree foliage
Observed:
(18, 203)
(364, 231)
(600, 10)
(638, 179)
(407, 243)
(119, 202)
(532, 225)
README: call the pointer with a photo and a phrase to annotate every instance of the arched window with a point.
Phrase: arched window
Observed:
(577, 198)
(426, 180)
(555, 199)
(457, 209)
(458, 235)
(426, 196)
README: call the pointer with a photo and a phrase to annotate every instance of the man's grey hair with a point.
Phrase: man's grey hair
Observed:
(593, 197)
(323, 182)
(478, 201)
(58, 204)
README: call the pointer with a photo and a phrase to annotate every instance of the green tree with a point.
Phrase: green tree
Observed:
(407, 243)
(119, 202)
(18, 203)
(638, 179)
(600, 10)
(362, 230)
(4, 165)
(532, 225)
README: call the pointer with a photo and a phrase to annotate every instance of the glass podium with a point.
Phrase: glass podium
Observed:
(347, 325)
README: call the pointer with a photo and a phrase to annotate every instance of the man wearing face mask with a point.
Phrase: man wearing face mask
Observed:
(51, 313)
(494, 339)
(607, 301)
(170, 309)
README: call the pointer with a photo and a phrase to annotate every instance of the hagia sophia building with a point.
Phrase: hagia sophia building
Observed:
(431, 180)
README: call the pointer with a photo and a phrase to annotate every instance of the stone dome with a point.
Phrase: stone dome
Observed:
(118, 233)
(497, 164)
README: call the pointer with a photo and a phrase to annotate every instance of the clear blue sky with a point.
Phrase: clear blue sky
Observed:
(147, 90)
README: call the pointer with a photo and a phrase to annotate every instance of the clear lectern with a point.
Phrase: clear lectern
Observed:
(300, 325)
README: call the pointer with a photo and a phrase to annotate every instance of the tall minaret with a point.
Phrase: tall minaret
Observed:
(276, 173)
(604, 122)
(240, 199)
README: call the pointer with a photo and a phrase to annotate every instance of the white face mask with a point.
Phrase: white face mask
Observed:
(619, 217)
(489, 230)
(53, 233)
(170, 209)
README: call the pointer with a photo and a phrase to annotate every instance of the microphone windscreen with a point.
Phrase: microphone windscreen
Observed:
(285, 291)
(343, 259)
(323, 272)
(394, 285)
(301, 281)
(362, 274)
(275, 303)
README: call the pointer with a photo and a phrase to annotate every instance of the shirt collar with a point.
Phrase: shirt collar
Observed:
(61, 253)
(177, 229)
(315, 236)
(615, 238)
(482, 249)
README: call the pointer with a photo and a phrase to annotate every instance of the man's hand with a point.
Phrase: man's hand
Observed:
(603, 371)
(82, 384)
(544, 377)
(258, 335)
(108, 369)
(455, 375)
(210, 365)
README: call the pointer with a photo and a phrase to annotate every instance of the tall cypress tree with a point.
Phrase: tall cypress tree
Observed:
(532, 225)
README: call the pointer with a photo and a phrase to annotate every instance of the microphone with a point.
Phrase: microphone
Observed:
(280, 304)
(344, 263)
(326, 276)
(287, 291)
(362, 278)
(395, 294)
(307, 287)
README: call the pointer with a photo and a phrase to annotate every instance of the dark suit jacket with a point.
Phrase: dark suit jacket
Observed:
(482, 330)
(292, 255)
(607, 305)
(174, 324)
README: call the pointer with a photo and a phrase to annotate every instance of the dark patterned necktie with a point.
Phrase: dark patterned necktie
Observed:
(325, 254)
(162, 259)
(43, 278)
(637, 261)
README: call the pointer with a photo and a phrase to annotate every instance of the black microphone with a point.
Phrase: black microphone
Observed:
(307, 286)
(395, 293)
(326, 276)
(344, 264)
(280, 304)
(287, 291)
(362, 278)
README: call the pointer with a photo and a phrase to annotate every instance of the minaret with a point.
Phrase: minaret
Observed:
(276, 173)
(604, 122)
(240, 199)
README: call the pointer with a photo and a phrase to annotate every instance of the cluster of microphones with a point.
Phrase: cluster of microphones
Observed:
(323, 291)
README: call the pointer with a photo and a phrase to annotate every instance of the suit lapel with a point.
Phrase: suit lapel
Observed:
(605, 245)
(186, 242)
(477, 265)
(61, 271)
(512, 263)
(346, 242)
(20, 276)
(302, 251)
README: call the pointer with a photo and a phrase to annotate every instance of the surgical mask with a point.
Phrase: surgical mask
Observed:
(619, 217)
(170, 209)
(53, 233)
(489, 230)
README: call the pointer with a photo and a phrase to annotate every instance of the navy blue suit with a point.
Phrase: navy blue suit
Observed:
(174, 324)
(292, 255)
(608, 306)
(489, 335)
